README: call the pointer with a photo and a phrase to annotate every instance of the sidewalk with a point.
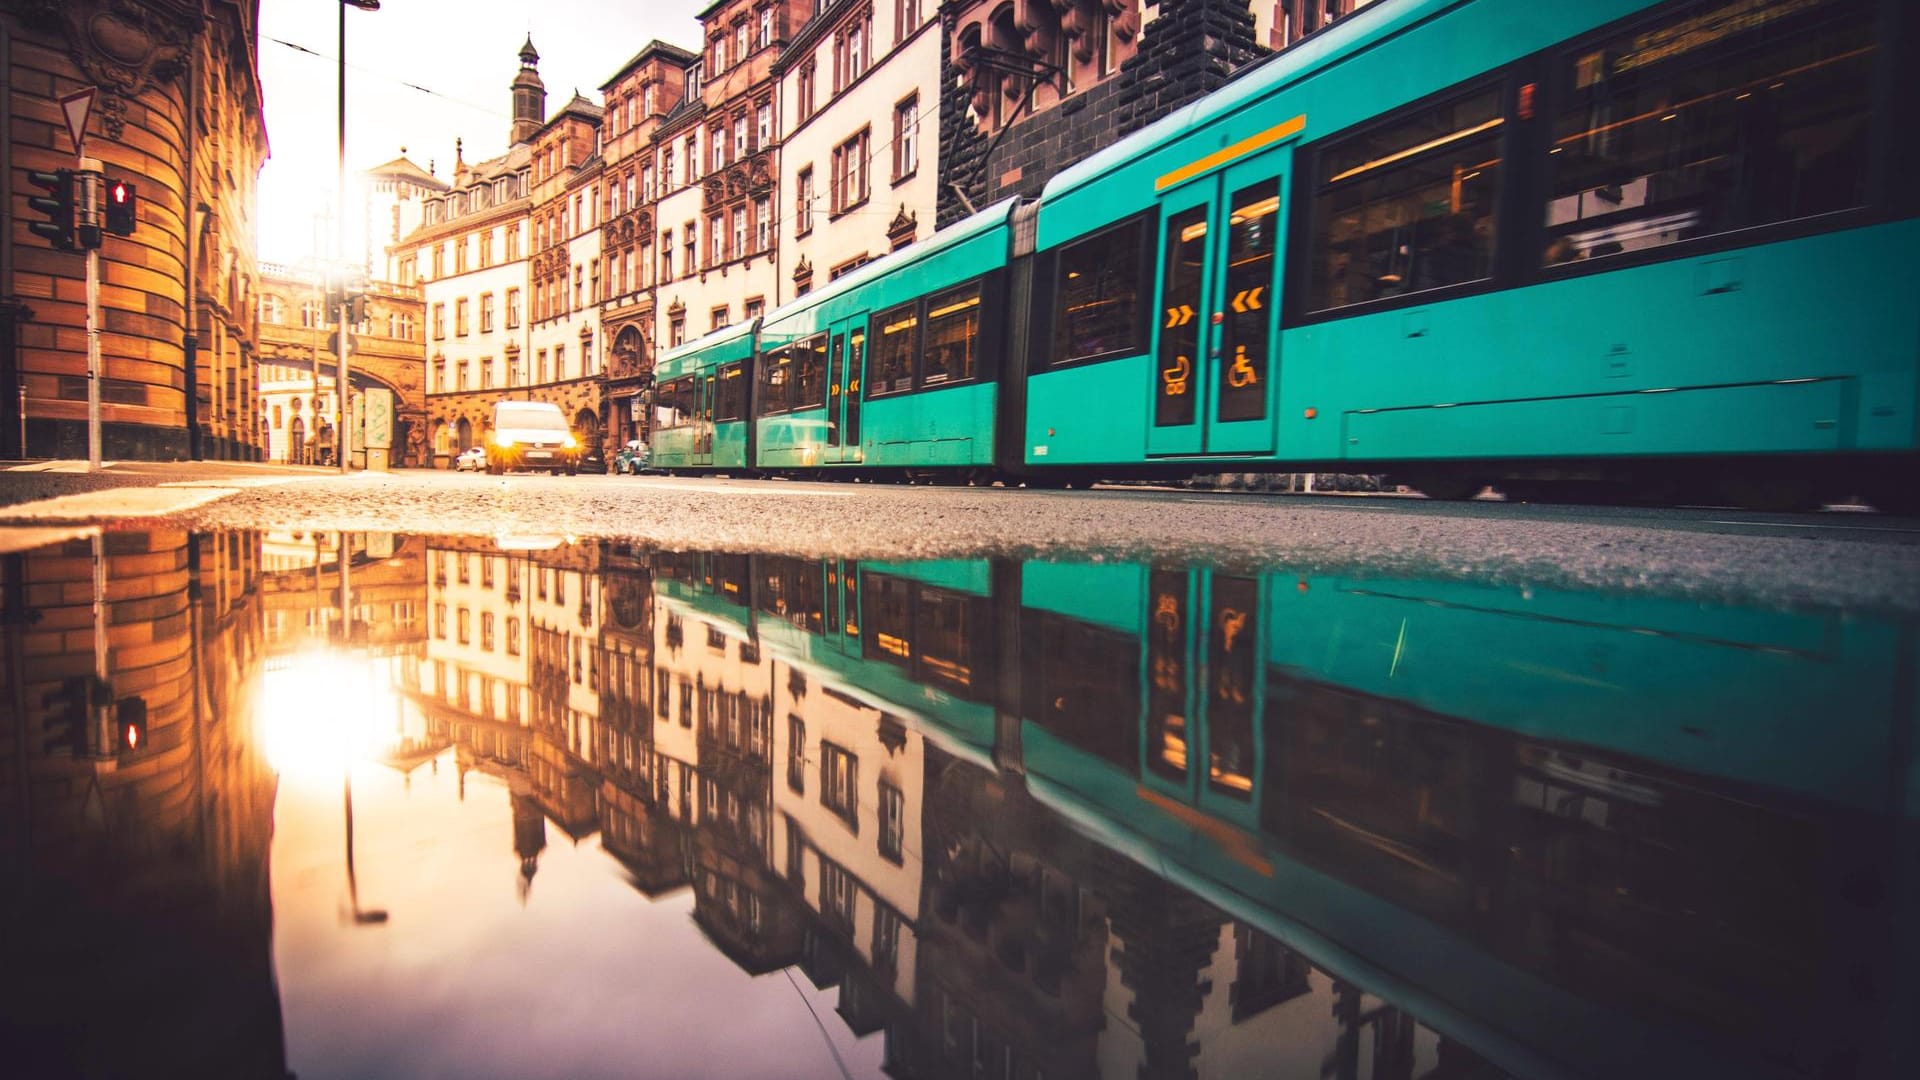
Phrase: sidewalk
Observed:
(39, 492)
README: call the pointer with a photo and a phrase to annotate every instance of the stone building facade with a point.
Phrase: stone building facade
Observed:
(638, 97)
(1033, 86)
(563, 272)
(859, 93)
(178, 114)
(298, 366)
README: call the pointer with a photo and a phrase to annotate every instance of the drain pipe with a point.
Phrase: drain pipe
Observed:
(190, 336)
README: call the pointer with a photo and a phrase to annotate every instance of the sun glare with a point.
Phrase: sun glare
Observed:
(322, 712)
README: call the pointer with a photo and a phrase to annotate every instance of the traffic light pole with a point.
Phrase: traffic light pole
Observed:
(87, 215)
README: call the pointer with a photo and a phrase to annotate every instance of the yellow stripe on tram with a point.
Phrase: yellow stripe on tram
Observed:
(1240, 149)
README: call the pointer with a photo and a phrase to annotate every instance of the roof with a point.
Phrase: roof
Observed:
(403, 168)
(671, 53)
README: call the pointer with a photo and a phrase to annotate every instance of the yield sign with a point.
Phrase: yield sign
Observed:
(75, 107)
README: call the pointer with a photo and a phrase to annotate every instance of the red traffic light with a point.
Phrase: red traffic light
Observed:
(121, 200)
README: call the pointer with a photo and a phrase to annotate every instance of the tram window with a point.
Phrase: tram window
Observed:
(1720, 117)
(810, 378)
(777, 384)
(898, 331)
(953, 335)
(1082, 684)
(1097, 305)
(889, 615)
(1407, 206)
(675, 407)
(945, 624)
(730, 402)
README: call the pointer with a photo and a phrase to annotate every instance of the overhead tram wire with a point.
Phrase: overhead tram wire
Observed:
(297, 47)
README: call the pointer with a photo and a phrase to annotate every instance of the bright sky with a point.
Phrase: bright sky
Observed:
(464, 51)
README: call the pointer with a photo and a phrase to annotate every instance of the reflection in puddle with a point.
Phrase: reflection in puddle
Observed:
(536, 807)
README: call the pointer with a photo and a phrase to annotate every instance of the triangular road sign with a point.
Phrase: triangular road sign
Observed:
(76, 106)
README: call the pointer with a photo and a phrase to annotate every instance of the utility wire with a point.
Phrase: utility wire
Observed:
(816, 1023)
(488, 109)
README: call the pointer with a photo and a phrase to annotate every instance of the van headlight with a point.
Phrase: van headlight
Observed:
(503, 440)
(572, 443)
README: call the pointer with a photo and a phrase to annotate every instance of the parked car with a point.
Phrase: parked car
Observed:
(531, 435)
(472, 459)
(632, 458)
(593, 459)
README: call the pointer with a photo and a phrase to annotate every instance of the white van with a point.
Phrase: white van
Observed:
(531, 435)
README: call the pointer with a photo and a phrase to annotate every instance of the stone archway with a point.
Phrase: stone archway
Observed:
(443, 443)
(464, 434)
(297, 440)
(586, 425)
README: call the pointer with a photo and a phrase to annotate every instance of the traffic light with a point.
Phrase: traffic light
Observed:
(57, 204)
(65, 724)
(122, 198)
(130, 715)
(358, 308)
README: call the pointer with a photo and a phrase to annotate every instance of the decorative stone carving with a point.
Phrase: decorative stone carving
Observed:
(122, 46)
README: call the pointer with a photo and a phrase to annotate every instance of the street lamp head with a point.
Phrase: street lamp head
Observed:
(364, 5)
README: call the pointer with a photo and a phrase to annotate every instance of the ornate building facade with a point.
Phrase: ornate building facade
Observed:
(638, 96)
(563, 274)
(177, 113)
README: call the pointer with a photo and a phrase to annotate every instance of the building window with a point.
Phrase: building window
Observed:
(486, 630)
(805, 91)
(740, 41)
(463, 623)
(486, 373)
(803, 202)
(839, 783)
(693, 157)
(717, 317)
(762, 223)
(691, 247)
(460, 324)
(579, 287)
(906, 138)
(272, 310)
(439, 261)
(513, 243)
(838, 895)
(439, 321)
(676, 331)
(486, 313)
(755, 308)
(513, 308)
(893, 812)
(559, 361)
(739, 231)
(850, 52)
(740, 145)
(717, 146)
(666, 255)
(766, 27)
(666, 166)
(460, 255)
(906, 19)
(886, 939)
(716, 240)
(796, 755)
(849, 178)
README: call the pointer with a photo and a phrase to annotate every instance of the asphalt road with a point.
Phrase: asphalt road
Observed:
(1857, 560)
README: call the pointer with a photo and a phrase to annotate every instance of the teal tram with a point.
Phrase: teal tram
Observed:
(1585, 834)
(1568, 248)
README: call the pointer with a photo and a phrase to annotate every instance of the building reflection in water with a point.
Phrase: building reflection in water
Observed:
(138, 923)
(1078, 819)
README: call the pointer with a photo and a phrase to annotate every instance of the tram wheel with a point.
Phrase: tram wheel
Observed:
(1446, 487)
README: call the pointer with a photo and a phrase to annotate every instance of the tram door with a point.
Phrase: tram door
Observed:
(705, 386)
(1216, 334)
(846, 360)
(1202, 743)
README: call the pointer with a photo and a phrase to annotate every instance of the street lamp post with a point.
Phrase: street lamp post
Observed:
(342, 410)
